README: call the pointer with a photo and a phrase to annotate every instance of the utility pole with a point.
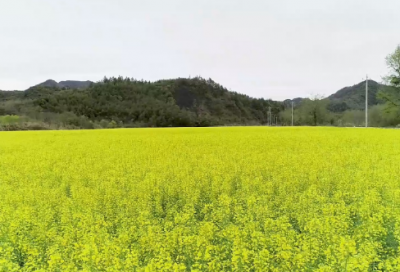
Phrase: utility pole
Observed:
(292, 113)
(366, 102)
(270, 117)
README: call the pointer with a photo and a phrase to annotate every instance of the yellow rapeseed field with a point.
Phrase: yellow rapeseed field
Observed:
(200, 199)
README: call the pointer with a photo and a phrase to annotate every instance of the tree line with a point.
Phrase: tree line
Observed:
(192, 102)
(125, 102)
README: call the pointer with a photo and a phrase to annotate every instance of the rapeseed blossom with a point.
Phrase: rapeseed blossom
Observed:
(200, 199)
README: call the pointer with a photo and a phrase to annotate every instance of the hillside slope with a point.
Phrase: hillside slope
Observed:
(354, 97)
(348, 98)
(126, 102)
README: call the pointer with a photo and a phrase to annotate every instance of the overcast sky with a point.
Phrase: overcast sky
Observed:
(263, 48)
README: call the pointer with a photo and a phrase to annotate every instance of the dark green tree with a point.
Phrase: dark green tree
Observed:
(313, 111)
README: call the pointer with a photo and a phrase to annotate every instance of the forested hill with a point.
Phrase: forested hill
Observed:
(353, 97)
(349, 98)
(124, 102)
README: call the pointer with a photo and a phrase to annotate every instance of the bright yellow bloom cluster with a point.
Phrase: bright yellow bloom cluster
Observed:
(204, 199)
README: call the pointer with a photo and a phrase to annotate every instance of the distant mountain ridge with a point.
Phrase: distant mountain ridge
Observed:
(296, 101)
(67, 84)
(349, 98)
(180, 102)
(353, 97)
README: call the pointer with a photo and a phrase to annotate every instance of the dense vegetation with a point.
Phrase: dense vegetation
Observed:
(196, 102)
(125, 102)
